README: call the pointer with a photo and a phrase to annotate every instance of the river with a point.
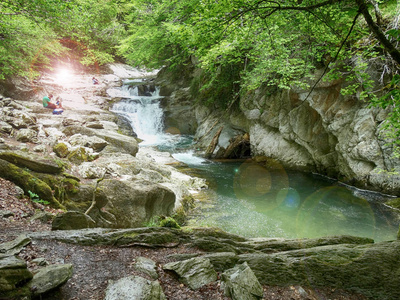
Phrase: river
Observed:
(253, 201)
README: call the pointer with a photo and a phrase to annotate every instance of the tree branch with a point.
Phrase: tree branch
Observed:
(393, 52)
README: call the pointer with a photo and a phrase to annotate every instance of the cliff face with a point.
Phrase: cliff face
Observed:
(326, 132)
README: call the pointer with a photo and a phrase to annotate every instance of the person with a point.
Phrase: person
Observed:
(95, 81)
(47, 103)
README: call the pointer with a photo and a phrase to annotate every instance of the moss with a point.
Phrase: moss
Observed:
(61, 150)
(169, 222)
(394, 203)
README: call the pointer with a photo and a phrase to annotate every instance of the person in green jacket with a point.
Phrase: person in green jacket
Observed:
(48, 104)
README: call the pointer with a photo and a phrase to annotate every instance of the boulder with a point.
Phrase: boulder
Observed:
(240, 283)
(127, 143)
(135, 202)
(134, 288)
(194, 272)
(50, 278)
(72, 220)
(146, 266)
(13, 273)
(32, 162)
(27, 182)
(94, 142)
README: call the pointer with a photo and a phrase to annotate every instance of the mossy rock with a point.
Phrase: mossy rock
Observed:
(78, 156)
(61, 150)
(32, 162)
(28, 182)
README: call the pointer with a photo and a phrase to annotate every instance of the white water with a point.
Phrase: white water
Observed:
(143, 112)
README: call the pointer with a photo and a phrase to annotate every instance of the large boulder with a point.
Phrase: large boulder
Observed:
(32, 162)
(127, 143)
(27, 182)
(134, 288)
(134, 203)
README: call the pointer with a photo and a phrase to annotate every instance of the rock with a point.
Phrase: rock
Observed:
(32, 162)
(61, 149)
(43, 216)
(134, 288)
(136, 202)
(94, 142)
(15, 246)
(370, 269)
(240, 283)
(6, 214)
(5, 127)
(127, 143)
(72, 220)
(13, 273)
(194, 272)
(26, 135)
(50, 278)
(82, 154)
(146, 266)
(27, 182)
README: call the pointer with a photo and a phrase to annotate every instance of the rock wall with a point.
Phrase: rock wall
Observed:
(326, 132)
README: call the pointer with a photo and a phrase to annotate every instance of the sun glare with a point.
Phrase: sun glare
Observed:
(63, 75)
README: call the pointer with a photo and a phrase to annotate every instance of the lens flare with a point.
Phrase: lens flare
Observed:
(256, 184)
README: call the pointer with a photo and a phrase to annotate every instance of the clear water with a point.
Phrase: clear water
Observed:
(253, 201)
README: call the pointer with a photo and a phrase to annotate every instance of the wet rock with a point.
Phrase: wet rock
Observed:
(72, 220)
(240, 283)
(194, 272)
(146, 266)
(134, 288)
(50, 278)
(13, 273)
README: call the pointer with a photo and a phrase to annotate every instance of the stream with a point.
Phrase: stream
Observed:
(247, 199)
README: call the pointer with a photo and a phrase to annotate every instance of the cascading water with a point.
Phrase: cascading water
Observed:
(252, 201)
(143, 112)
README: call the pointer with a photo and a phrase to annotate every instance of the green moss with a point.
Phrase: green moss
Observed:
(61, 150)
(169, 222)
(394, 203)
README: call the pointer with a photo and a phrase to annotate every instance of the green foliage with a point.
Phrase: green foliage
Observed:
(391, 101)
(35, 198)
(36, 34)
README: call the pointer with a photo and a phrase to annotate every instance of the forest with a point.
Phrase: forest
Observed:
(239, 45)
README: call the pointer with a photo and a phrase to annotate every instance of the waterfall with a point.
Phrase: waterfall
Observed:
(143, 112)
